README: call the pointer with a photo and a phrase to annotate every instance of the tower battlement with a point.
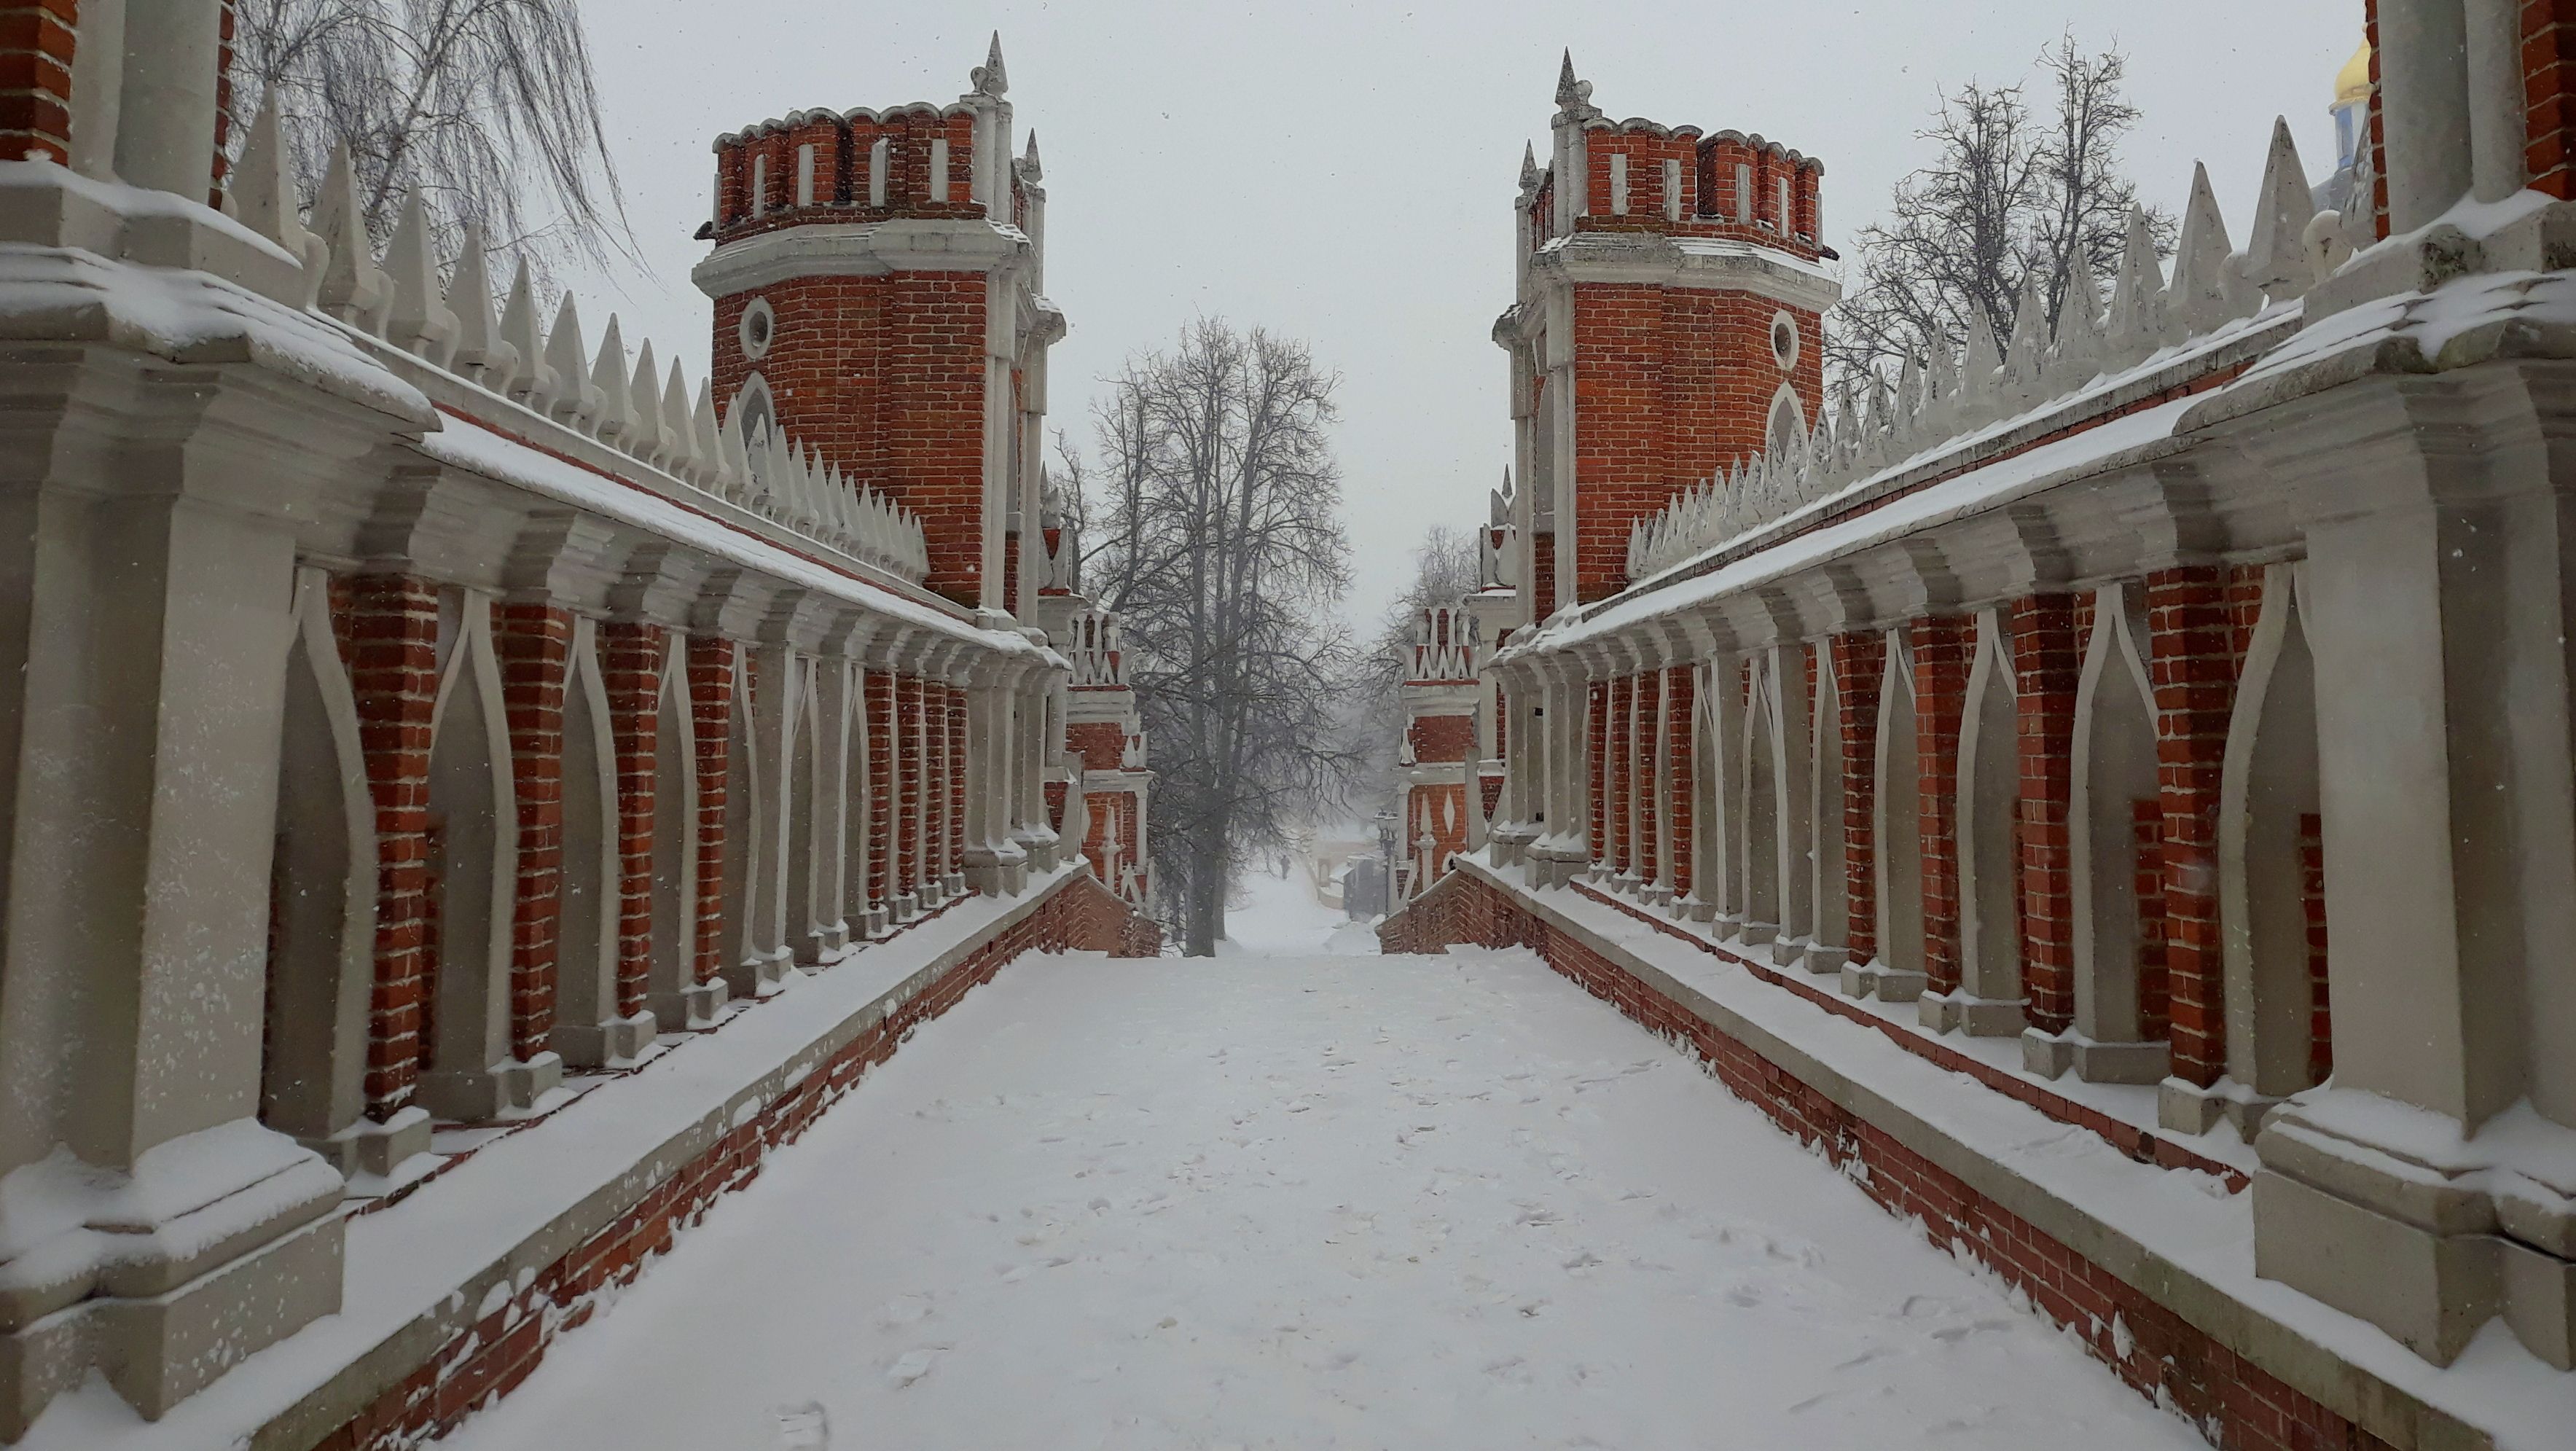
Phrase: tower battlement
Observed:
(1670, 287)
(878, 287)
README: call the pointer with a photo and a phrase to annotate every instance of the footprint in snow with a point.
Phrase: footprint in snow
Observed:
(903, 1310)
(913, 1366)
(802, 1428)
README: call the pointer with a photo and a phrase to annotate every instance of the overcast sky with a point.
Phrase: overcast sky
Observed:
(1342, 171)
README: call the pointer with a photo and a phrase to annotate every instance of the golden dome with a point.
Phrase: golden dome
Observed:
(2352, 83)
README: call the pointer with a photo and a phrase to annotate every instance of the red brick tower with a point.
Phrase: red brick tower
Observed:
(877, 283)
(1667, 322)
(1440, 694)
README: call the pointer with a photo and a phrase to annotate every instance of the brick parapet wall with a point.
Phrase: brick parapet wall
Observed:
(534, 644)
(711, 665)
(388, 629)
(630, 666)
(488, 1358)
(2191, 668)
(37, 40)
(880, 699)
(2048, 661)
(1680, 706)
(2549, 95)
(1860, 664)
(2237, 1404)
(1940, 644)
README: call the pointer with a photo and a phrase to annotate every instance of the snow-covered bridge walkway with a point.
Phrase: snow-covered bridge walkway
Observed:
(1302, 1201)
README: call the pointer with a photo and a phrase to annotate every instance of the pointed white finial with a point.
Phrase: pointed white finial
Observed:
(418, 320)
(1031, 169)
(644, 437)
(572, 401)
(708, 443)
(679, 433)
(608, 378)
(1569, 91)
(352, 288)
(534, 381)
(261, 192)
(2278, 258)
(2137, 297)
(2206, 290)
(1529, 167)
(990, 78)
(2077, 359)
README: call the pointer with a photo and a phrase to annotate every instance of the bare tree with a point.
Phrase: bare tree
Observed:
(2008, 200)
(1445, 570)
(1220, 544)
(487, 108)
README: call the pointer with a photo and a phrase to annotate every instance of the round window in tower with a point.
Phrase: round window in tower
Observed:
(1784, 340)
(759, 324)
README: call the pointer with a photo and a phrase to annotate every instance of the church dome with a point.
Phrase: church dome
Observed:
(2352, 83)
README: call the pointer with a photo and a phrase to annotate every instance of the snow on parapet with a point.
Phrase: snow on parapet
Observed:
(1940, 400)
(632, 407)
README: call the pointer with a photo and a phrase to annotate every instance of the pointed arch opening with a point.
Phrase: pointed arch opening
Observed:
(473, 870)
(1896, 826)
(2117, 858)
(1761, 817)
(2271, 860)
(322, 903)
(588, 897)
(1989, 810)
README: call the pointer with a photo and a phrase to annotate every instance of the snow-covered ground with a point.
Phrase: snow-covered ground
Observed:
(1306, 1201)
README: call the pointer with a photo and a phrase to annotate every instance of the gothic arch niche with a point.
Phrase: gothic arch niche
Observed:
(1989, 1000)
(1832, 890)
(804, 819)
(1793, 704)
(1788, 422)
(474, 868)
(2270, 865)
(2119, 953)
(1762, 847)
(589, 1030)
(671, 970)
(1896, 829)
(322, 917)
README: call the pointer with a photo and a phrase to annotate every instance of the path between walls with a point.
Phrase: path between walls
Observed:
(1310, 1200)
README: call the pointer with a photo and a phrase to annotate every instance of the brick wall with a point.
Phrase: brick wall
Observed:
(1940, 644)
(1671, 385)
(2048, 664)
(388, 627)
(630, 666)
(499, 1350)
(534, 644)
(956, 778)
(1682, 783)
(712, 663)
(883, 376)
(2549, 94)
(881, 789)
(1860, 663)
(911, 796)
(2192, 669)
(1438, 738)
(36, 44)
(2157, 1353)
